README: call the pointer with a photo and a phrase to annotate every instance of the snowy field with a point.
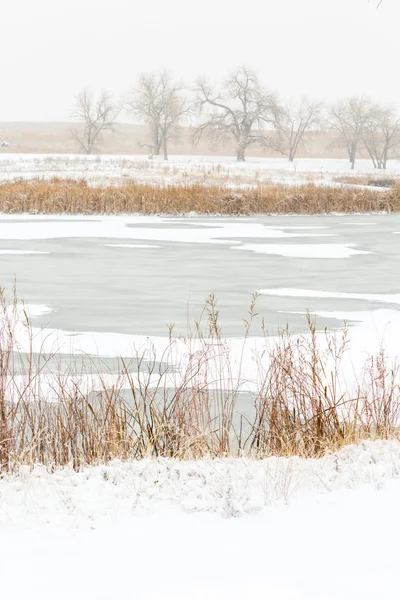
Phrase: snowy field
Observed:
(179, 170)
(292, 529)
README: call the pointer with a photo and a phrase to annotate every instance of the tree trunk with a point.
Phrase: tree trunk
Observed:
(240, 150)
(156, 143)
(352, 157)
(165, 143)
(292, 155)
(374, 158)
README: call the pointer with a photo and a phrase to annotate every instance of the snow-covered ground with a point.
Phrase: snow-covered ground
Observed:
(287, 529)
(219, 170)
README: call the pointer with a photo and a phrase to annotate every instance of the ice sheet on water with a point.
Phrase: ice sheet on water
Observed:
(130, 246)
(16, 252)
(305, 227)
(114, 227)
(37, 310)
(33, 311)
(300, 293)
(304, 250)
(244, 361)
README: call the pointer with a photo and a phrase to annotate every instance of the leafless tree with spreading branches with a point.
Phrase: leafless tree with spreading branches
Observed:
(97, 115)
(291, 124)
(382, 136)
(159, 101)
(240, 111)
(349, 119)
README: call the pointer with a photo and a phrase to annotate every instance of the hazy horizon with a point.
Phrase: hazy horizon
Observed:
(51, 51)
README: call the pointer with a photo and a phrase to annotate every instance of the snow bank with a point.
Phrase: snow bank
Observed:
(106, 494)
(308, 530)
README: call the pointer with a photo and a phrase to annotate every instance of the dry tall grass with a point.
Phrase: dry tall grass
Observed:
(76, 197)
(149, 409)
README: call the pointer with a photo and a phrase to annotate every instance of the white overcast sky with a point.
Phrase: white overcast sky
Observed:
(51, 49)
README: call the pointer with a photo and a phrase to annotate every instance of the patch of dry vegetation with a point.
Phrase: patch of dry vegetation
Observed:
(299, 408)
(59, 196)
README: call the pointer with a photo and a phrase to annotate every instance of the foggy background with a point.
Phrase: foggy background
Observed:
(50, 50)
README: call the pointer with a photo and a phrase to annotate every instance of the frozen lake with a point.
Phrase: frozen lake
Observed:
(137, 274)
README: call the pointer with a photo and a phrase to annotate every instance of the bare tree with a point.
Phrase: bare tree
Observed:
(349, 119)
(291, 124)
(239, 111)
(160, 103)
(382, 135)
(97, 115)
